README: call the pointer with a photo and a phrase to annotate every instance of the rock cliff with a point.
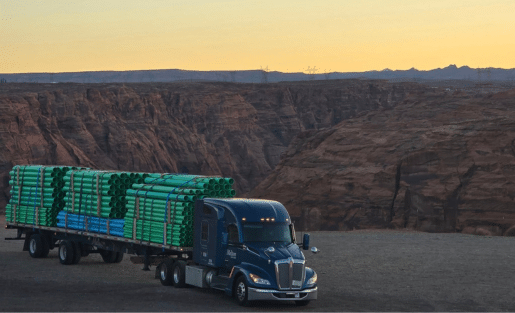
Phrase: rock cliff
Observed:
(236, 130)
(434, 162)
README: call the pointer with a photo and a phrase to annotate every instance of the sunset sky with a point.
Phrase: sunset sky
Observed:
(285, 35)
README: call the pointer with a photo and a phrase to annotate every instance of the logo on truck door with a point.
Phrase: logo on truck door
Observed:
(231, 254)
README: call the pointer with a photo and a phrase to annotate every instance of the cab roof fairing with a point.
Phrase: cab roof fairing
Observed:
(253, 210)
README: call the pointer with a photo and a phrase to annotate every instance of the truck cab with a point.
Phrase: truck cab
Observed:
(247, 248)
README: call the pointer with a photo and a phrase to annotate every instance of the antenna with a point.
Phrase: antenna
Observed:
(264, 75)
(312, 72)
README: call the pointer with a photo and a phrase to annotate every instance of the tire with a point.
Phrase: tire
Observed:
(302, 302)
(38, 246)
(166, 272)
(179, 274)
(108, 256)
(77, 253)
(66, 252)
(119, 257)
(46, 246)
(241, 293)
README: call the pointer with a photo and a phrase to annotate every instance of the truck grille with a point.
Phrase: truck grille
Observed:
(289, 273)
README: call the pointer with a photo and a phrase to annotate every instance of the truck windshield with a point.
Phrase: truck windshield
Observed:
(266, 232)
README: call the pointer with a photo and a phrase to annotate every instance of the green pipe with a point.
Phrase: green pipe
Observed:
(184, 178)
(93, 186)
(86, 191)
(46, 175)
(32, 182)
(159, 209)
(160, 195)
(164, 189)
(162, 206)
(36, 168)
(91, 175)
(132, 199)
(152, 210)
(175, 183)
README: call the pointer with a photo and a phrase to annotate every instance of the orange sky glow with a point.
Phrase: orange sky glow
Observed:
(287, 36)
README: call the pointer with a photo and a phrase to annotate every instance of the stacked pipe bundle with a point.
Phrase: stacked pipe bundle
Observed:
(112, 227)
(160, 210)
(98, 193)
(36, 194)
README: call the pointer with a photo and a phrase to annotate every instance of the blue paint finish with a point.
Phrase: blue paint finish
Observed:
(233, 254)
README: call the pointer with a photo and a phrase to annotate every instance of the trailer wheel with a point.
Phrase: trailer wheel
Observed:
(119, 257)
(242, 291)
(46, 246)
(166, 272)
(76, 252)
(66, 252)
(179, 274)
(108, 256)
(38, 246)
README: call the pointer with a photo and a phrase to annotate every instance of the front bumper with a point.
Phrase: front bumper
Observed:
(276, 295)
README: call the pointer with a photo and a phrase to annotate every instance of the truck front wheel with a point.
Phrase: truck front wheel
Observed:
(242, 291)
(179, 274)
(66, 252)
(166, 272)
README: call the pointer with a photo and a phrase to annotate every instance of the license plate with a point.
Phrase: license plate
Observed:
(297, 295)
(296, 283)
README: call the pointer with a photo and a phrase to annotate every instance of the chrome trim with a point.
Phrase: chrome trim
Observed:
(290, 261)
(270, 294)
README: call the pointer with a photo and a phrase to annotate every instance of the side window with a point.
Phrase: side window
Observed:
(205, 229)
(232, 230)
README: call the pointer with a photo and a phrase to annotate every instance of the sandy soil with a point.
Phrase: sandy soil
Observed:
(358, 271)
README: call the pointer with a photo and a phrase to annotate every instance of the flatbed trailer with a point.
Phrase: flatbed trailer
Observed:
(40, 239)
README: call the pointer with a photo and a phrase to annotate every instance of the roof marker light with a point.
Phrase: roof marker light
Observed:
(268, 219)
(273, 219)
(262, 219)
(243, 219)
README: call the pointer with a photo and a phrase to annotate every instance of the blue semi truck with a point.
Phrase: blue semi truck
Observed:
(245, 247)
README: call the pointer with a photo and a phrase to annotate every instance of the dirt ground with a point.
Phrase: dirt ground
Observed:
(357, 271)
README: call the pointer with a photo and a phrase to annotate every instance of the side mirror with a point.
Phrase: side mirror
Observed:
(305, 242)
(315, 250)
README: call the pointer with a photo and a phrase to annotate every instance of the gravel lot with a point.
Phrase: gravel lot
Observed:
(357, 271)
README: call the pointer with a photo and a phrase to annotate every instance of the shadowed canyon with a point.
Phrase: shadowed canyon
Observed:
(339, 154)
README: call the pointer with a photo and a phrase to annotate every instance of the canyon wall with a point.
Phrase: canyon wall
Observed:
(236, 130)
(435, 162)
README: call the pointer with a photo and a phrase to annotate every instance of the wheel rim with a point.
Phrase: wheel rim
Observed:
(240, 291)
(163, 272)
(62, 253)
(32, 246)
(176, 274)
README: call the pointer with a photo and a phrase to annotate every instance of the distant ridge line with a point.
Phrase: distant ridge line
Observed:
(451, 72)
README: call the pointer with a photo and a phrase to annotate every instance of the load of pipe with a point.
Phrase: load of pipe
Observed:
(98, 193)
(160, 210)
(113, 227)
(36, 194)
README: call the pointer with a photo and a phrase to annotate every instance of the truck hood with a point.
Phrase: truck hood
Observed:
(282, 250)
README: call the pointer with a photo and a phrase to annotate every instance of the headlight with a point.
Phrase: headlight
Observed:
(258, 280)
(313, 279)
